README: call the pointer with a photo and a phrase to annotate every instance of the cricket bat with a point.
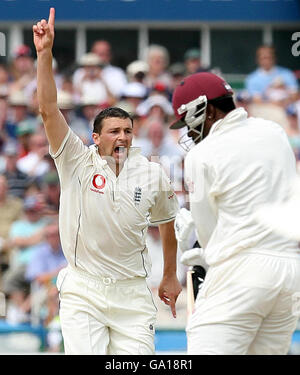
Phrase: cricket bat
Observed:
(190, 293)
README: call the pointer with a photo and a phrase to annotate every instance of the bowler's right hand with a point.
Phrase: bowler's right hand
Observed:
(43, 33)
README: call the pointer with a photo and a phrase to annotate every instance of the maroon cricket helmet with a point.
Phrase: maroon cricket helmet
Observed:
(198, 84)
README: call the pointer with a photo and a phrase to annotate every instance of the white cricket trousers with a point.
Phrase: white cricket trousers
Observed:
(249, 304)
(104, 316)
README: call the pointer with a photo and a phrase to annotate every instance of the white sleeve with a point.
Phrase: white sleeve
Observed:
(166, 204)
(202, 190)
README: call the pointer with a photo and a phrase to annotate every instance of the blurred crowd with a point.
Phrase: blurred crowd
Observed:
(30, 250)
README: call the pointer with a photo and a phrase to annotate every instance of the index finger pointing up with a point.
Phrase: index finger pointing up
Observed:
(51, 18)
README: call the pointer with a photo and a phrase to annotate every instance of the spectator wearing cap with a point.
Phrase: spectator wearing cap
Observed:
(22, 68)
(88, 109)
(192, 61)
(90, 82)
(157, 58)
(177, 71)
(24, 130)
(17, 112)
(157, 110)
(156, 105)
(17, 181)
(133, 94)
(51, 193)
(136, 71)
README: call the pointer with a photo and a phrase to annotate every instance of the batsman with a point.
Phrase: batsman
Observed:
(236, 165)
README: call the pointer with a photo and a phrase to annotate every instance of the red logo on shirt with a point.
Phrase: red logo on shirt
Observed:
(98, 181)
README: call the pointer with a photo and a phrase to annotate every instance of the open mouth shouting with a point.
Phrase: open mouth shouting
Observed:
(120, 152)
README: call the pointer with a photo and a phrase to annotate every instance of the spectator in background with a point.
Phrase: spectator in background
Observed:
(27, 232)
(192, 61)
(91, 82)
(32, 86)
(155, 140)
(4, 79)
(11, 209)
(51, 193)
(25, 235)
(88, 109)
(113, 76)
(17, 112)
(269, 74)
(136, 71)
(177, 72)
(157, 58)
(270, 89)
(48, 258)
(78, 124)
(24, 130)
(132, 94)
(22, 69)
(35, 164)
(17, 181)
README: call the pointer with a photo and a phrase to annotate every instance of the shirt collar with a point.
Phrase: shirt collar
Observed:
(232, 118)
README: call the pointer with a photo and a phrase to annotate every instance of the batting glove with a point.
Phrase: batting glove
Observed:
(184, 227)
(194, 257)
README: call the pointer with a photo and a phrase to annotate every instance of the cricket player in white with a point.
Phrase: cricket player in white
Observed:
(239, 163)
(109, 194)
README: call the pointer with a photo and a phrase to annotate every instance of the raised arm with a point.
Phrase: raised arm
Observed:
(55, 125)
(170, 287)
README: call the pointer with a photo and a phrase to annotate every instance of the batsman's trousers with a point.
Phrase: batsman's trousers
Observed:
(105, 316)
(249, 304)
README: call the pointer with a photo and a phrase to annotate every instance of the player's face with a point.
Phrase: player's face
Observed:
(114, 139)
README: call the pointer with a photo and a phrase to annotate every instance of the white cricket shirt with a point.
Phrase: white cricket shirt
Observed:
(104, 218)
(244, 162)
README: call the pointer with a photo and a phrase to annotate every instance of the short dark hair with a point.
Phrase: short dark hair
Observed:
(108, 113)
(223, 103)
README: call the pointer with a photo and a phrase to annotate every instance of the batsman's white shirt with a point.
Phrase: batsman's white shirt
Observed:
(104, 218)
(243, 163)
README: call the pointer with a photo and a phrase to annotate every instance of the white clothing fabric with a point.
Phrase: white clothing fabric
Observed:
(247, 306)
(242, 164)
(104, 218)
(33, 165)
(113, 76)
(94, 89)
(102, 316)
(115, 79)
